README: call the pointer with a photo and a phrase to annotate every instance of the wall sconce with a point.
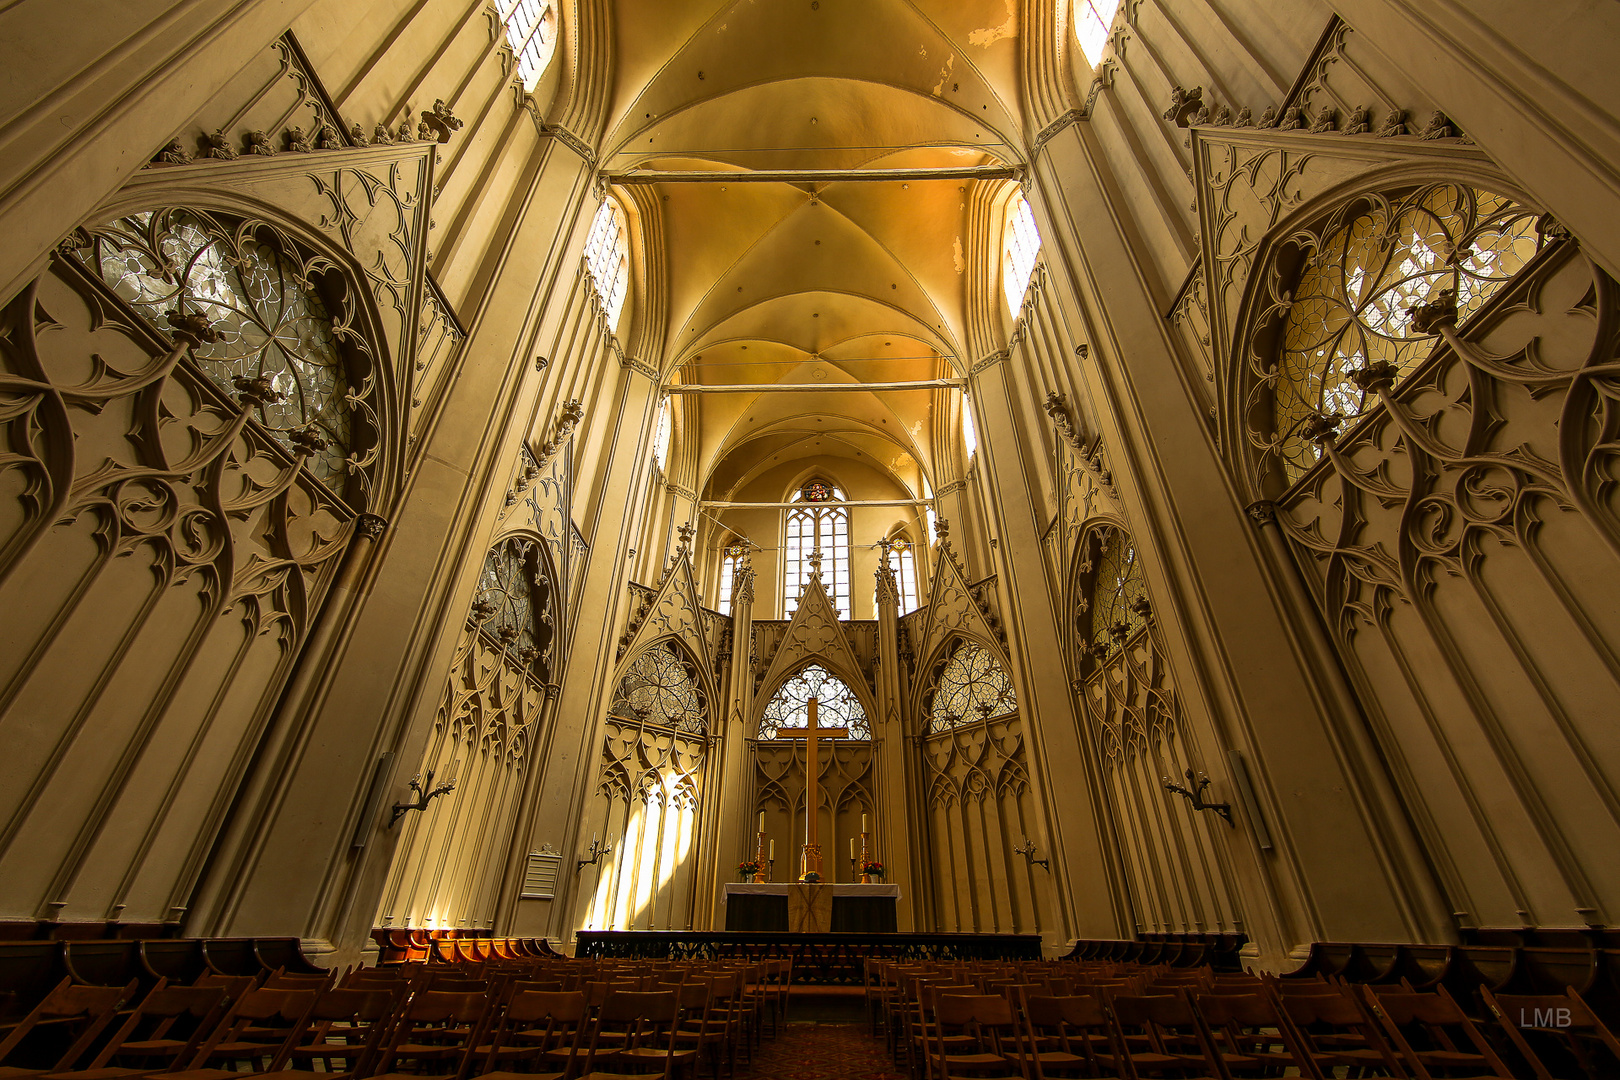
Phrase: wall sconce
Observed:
(423, 795)
(1028, 852)
(1196, 795)
(596, 850)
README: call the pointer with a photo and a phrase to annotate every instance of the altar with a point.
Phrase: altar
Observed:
(803, 908)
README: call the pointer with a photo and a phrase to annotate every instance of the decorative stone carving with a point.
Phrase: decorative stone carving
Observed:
(297, 143)
(219, 147)
(258, 143)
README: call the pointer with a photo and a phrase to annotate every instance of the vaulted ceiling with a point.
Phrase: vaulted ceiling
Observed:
(803, 281)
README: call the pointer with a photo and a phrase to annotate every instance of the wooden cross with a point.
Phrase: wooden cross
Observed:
(812, 734)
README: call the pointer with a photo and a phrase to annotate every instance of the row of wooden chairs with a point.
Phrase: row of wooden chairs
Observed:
(1030, 1022)
(560, 1020)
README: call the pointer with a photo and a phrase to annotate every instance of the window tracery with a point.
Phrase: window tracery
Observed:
(971, 686)
(661, 438)
(836, 705)
(659, 688)
(262, 297)
(1351, 306)
(903, 561)
(728, 573)
(1020, 246)
(1114, 605)
(531, 31)
(607, 256)
(1092, 18)
(821, 525)
(513, 602)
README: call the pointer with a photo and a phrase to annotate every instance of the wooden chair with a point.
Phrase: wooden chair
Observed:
(977, 1036)
(88, 1008)
(643, 1026)
(347, 1029)
(539, 1028)
(437, 1033)
(1159, 1036)
(1335, 1030)
(1065, 1034)
(164, 1029)
(282, 1015)
(1249, 1031)
(1565, 1028)
(1433, 1036)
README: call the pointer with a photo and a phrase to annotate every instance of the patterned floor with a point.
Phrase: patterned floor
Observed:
(811, 1051)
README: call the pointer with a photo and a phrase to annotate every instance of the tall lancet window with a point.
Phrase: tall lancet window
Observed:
(728, 571)
(904, 564)
(661, 439)
(1091, 21)
(818, 524)
(531, 30)
(1020, 246)
(607, 256)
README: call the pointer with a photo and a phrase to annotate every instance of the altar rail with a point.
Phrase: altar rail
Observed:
(817, 958)
(1219, 951)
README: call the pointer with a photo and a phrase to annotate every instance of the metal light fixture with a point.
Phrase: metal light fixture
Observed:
(425, 793)
(1028, 852)
(1195, 795)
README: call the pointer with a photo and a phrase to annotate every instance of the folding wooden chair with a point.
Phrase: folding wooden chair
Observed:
(977, 1036)
(1160, 1036)
(277, 1015)
(1065, 1034)
(1562, 1029)
(1335, 1030)
(88, 1009)
(347, 1029)
(438, 1033)
(646, 1021)
(541, 1030)
(163, 1030)
(1249, 1031)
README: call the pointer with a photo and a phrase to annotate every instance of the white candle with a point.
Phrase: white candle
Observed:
(863, 823)
(773, 851)
(852, 847)
(762, 821)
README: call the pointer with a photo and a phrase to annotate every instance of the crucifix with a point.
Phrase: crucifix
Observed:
(812, 734)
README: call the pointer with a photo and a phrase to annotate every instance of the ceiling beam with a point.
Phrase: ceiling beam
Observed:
(814, 176)
(811, 388)
(720, 504)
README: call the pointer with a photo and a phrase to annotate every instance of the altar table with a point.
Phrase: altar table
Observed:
(801, 908)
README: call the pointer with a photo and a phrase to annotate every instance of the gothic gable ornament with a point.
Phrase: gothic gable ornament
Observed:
(674, 612)
(815, 634)
(953, 612)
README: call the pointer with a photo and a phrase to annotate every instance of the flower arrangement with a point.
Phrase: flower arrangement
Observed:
(747, 868)
(872, 868)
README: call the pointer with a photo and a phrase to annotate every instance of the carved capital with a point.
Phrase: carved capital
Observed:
(1440, 311)
(1378, 374)
(370, 526)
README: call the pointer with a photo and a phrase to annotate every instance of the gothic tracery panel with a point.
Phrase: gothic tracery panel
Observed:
(837, 705)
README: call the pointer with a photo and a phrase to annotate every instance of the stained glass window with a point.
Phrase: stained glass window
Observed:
(659, 688)
(1020, 245)
(812, 527)
(531, 30)
(836, 705)
(972, 686)
(970, 435)
(607, 256)
(513, 602)
(1350, 308)
(1091, 21)
(260, 296)
(1116, 587)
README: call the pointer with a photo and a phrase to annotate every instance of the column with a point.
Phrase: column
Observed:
(734, 835)
(897, 840)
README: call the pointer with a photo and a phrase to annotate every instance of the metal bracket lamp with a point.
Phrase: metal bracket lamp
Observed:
(425, 793)
(597, 850)
(1028, 852)
(1195, 795)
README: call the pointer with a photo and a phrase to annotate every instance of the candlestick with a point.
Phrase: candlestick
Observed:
(866, 858)
(863, 823)
(759, 855)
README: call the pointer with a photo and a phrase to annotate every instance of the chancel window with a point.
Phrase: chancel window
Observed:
(1117, 602)
(1020, 245)
(1351, 308)
(836, 705)
(818, 524)
(903, 561)
(513, 603)
(972, 686)
(660, 688)
(1092, 19)
(531, 30)
(661, 438)
(728, 573)
(258, 293)
(607, 255)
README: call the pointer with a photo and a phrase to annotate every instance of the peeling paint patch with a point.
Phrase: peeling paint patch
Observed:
(989, 36)
(957, 257)
(944, 76)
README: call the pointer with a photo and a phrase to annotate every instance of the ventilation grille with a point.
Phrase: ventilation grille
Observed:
(540, 876)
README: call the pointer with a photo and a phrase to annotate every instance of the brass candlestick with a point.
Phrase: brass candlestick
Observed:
(759, 859)
(866, 857)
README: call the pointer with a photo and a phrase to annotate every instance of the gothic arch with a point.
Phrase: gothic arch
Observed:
(834, 666)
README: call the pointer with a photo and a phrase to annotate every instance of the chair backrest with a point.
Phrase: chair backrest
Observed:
(161, 1011)
(94, 1005)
